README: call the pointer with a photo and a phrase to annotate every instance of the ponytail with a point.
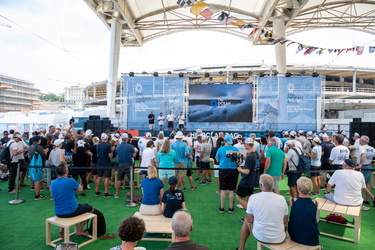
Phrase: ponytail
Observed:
(172, 188)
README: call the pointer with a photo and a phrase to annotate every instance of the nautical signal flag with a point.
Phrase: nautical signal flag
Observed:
(197, 8)
(208, 12)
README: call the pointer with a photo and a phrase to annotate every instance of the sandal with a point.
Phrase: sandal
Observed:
(108, 236)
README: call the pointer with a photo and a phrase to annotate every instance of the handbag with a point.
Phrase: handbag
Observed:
(36, 174)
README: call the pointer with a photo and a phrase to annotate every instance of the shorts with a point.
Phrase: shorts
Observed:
(81, 209)
(151, 126)
(336, 166)
(165, 173)
(367, 174)
(180, 172)
(314, 174)
(216, 172)
(204, 165)
(124, 169)
(197, 161)
(181, 126)
(228, 179)
(170, 124)
(94, 171)
(276, 180)
(292, 179)
(144, 172)
(107, 173)
(22, 163)
(150, 209)
(244, 192)
(326, 166)
(189, 172)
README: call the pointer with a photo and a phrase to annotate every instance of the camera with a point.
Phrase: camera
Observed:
(235, 157)
(71, 121)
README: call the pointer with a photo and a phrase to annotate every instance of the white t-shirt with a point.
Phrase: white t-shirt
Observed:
(355, 147)
(242, 149)
(296, 143)
(189, 141)
(349, 184)
(14, 146)
(197, 147)
(293, 159)
(181, 119)
(142, 143)
(317, 149)
(268, 210)
(339, 154)
(369, 151)
(278, 141)
(161, 120)
(147, 155)
(171, 117)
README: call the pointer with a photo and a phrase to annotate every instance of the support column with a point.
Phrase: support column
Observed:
(355, 82)
(280, 50)
(114, 56)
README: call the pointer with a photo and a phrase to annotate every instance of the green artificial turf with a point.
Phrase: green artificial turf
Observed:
(23, 225)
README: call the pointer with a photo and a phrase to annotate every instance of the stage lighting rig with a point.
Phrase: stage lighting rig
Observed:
(131, 73)
(156, 74)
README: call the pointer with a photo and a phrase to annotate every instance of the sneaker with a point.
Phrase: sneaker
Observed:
(242, 219)
(218, 192)
(83, 194)
(239, 206)
(184, 189)
(38, 197)
(13, 191)
(202, 183)
(116, 196)
(313, 194)
(24, 185)
(221, 210)
(32, 189)
(97, 193)
(193, 188)
(88, 186)
(230, 210)
(196, 179)
(365, 208)
(44, 189)
(107, 195)
(51, 199)
(209, 182)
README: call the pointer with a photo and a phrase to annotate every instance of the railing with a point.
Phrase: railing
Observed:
(346, 89)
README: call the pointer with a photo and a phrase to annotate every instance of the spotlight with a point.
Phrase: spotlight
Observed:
(156, 74)
(288, 74)
(144, 72)
(195, 72)
(314, 74)
(220, 72)
(131, 74)
(235, 75)
(180, 74)
(275, 73)
(261, 74)
(169, 72)
(206, 74)
(250, 73)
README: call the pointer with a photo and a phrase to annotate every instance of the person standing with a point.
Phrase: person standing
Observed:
(151, 120)
(205, 154)
(293, 160)
(148, 158)
(275, 165)
(81, 160)
(161, 121)
(354, 148)
(166, 157)
(316, 155)
(181, 121)
(15, 154)
(339, 153)
(327, 147)
(182, 152)
(170, 118)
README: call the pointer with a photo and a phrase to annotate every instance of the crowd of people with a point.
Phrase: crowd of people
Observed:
(240, 165)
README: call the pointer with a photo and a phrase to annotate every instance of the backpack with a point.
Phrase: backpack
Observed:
(101, 226)
(5, 154)
(36, 174)
(137, 198)
(304, 161)
(336, 218)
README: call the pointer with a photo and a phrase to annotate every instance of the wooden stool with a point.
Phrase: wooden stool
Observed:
(157, 224)
(350, 211)
(66, 223)
(287, 244)
(373, 180)
(136, 175)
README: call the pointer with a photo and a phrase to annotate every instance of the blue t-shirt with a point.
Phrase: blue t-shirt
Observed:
(64, 194)
(181, 149)
(167, 160)
(151, 191)
(221, 155)
(188, 158)
(103, 149)
(124, 153)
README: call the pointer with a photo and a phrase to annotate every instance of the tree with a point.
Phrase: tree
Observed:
(50, 98)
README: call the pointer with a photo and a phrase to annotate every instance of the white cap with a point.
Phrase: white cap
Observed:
(239, 137)
(325, 136)
(180, 135)
(114, 139)
(300, 131)
(88, 132)
(148, 134)
(356, 134)
(316, 139)
(104, 136)
(161, 132)
(309, 133)
(80, 143)
(286, 133)
(249, 141)
(58, 142)
(117, 135)
(204, 137)
(293, 133)
(321, 134)
(325, 129)
(124, 135)
(198, 131)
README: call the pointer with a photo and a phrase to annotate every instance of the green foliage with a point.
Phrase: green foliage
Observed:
(51, 98)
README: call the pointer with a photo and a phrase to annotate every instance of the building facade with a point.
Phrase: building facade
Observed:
(73, 94)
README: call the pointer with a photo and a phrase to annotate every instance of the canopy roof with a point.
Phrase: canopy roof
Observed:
(144, 20)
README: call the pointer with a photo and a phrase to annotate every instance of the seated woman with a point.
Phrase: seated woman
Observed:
(131, 231)
(303, 226)
(153, 190)
(173, 200)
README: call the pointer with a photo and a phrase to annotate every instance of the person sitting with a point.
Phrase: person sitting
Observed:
(64, 193)
(267, 215)
(153, 190)
(182, 225)
(131, 231)
(303, 226)
(349, 184)
(172, 200)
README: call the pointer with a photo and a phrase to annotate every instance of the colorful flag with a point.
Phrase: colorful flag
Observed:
(253, 32)
(340, 51)
(299, 48)
(290, 43)
(223, 16)
(320, 51)
(237, 23)
(284, 41)
(310, 50)
(197, 8)
(248, 25)
(208, 12)
(360, 50)
(186, 3)
(371, 49)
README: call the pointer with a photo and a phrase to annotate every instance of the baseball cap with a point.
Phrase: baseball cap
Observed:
(114, 139)
(293, 133)
(325, 135)
(300, 131)
(117, 135)
(204, 137)
(228, 139)
(309, 133)
(172, 180)
(350, 163)
(356, 134)
(239, 137)
(198, 131)
(35, 138)
(249, 141)
(104, 136)
(286, 133)
(88, 132)
(325, 129)
(58, 142)
(179, 135)
(148, 134)
(124, 135)
(80, 143)
(17, 136)
(316, 139)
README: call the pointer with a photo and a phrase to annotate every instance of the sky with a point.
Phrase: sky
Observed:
(60, 43)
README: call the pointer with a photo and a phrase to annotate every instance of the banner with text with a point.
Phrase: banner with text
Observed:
(158, 94)
(286, 103)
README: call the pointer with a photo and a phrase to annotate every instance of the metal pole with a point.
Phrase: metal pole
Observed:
(131, 203)
(17, 201)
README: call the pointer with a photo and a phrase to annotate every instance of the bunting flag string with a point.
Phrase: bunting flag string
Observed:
(206, 11)
(5, 25)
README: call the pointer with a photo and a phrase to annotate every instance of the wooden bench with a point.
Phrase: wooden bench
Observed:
(325, 205)
(66, 223)
(157, 224)
(287, 244)
(126, 183)
(373, 180)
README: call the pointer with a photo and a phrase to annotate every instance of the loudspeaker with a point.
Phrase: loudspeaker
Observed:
(365, 128)
(94, 117)
(354, 127)
(106, 125)
(357, 119)
(89, 124)
(97, 128)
